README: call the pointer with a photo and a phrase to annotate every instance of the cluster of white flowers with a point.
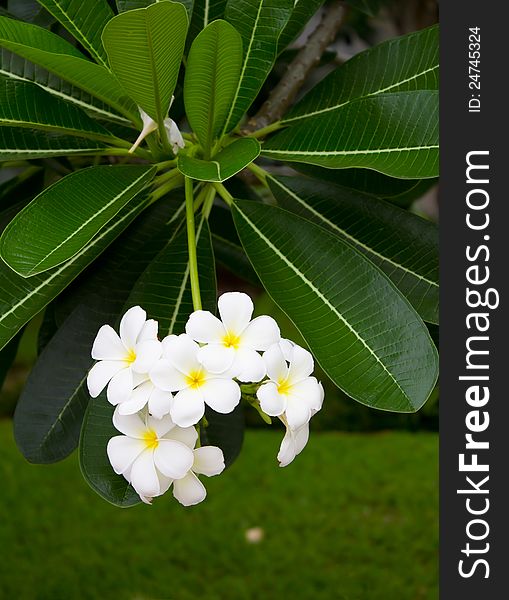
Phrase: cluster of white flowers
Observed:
(160, 389)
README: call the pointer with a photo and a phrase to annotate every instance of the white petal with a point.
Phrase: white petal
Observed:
(216, 358)
(235, 309)
(187, 407)
(293, 443)
(159, 403)
(204, 327)
(286, 348)
(123, 451)
(108, 346)
(164, 483)
(310, 392)
(297, 412)
(189, 490)
(148, 353)
(149, 125)
(131, 325)
(181, 351)
(160, 426)
(166, 377)
(277, 368)
(174, 136)
(137, 400)
(173, 459)
(208, 460)
(301, 364)
(222, 395)
(271, 402)
(120, 387)
(101, 373)
(186, 435)
(301, 437)
(261, 333)
(130, 425)
(249, 366)
(144, 477)
(148, 331)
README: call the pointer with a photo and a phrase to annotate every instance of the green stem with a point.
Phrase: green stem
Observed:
(191, 242)
(209, 201)
(224, 193)
(176, 181)
(260, 173)
(266, 130)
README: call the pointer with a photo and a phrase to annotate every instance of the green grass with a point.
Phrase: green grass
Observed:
(354, 517)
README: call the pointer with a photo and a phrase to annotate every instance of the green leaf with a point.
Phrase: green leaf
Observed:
(370, 7)
(85, 20)
(212, 76)
(407, 63)
(124, 5)
(145, 47)
(61, 58)
(302, 12)
(96, 431)
(356, 135)
(204, 12)
(51, 408)
(225, 431)
(402, 244)
(18, 68)
(20, 144)
(164, 290)
(27, 105)
(364, 334)
(21, 299)
(55, 226)
(7, 356)
(224, 165)
(259, 23)
(401, 192)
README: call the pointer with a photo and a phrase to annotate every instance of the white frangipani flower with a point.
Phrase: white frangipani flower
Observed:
(149, 125)
(180, 371)
(290, 390)
(151, 453)
(209, 461)
(126, 359)
(233, 341)
(293, 443)
(147, 394)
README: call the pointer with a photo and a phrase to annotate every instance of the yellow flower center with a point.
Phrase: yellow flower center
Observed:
(284, 386)
(195, 379)
(150, 439)
(131, 356)
(230, 340)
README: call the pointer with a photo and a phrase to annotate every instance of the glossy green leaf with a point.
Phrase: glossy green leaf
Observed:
(19, 144)
(85, 20)
(57, 224)
(27, 105)
(401, 192)
(18, 68)
(225, 432)
(124, 5)
(96, 431)
(56, 55)
(212, 75)
(364, 334)
(259, 23)
(302, 12)
(224, 165)
(396, 134)
(145, 47)
(164, 291)
(52, 405)
(407, 63)
(204, 12)
(402, 244)
(21, 299)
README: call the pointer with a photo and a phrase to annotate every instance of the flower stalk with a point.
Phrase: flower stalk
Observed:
(191, 241)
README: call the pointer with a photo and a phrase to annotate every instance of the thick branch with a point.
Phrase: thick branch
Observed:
(308, 57)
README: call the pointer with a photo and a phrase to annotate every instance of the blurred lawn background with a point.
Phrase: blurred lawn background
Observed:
(353, 518)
